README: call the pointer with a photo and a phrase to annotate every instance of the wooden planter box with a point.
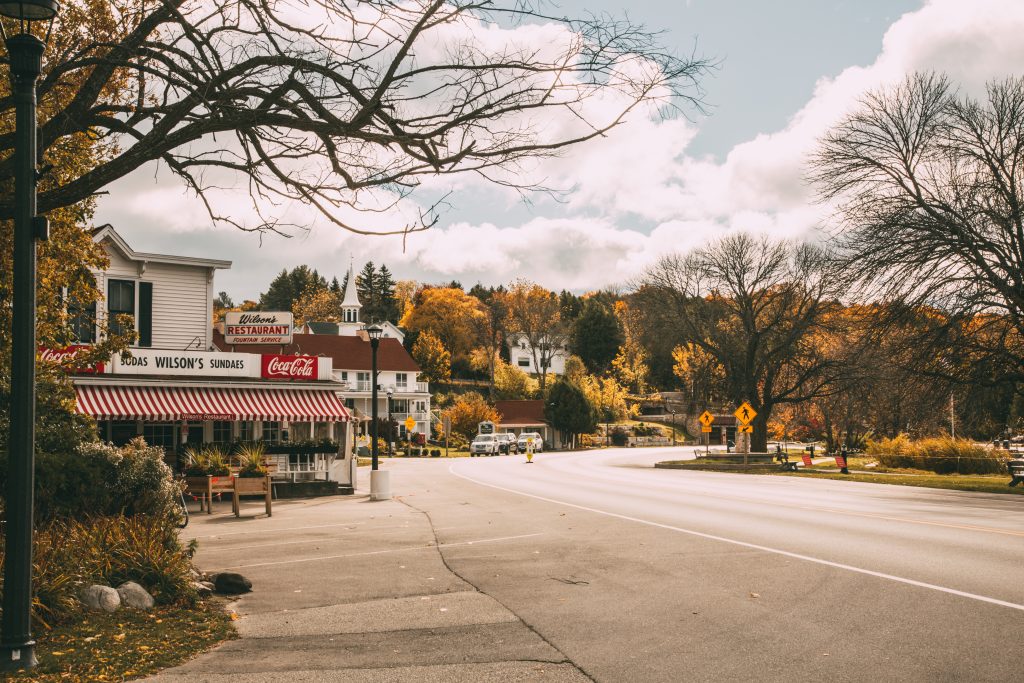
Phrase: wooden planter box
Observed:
(249, 486)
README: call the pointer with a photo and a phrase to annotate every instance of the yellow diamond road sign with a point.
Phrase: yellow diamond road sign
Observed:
(745, 413)
(410, 423)
(706, 418)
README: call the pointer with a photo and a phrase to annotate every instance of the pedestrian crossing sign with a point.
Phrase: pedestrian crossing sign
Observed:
(706, 419)
(745, 413)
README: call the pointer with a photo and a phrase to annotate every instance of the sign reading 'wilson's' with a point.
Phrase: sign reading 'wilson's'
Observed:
(258, 327)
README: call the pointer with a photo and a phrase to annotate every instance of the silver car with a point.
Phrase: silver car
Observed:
(507, 443)
(483, 444)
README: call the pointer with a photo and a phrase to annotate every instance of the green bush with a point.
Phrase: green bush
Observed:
(101, 479)
(942, 455)
(620, 437)
(70, 554)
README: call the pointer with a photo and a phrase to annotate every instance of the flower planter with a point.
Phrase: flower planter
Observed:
(248, 486)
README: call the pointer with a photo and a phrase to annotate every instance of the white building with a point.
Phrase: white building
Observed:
(551, 354)
(176, 385)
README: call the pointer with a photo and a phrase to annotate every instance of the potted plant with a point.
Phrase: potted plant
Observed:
(253, 477)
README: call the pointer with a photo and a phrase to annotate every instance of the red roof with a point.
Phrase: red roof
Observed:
(521, 413)
(348, 353)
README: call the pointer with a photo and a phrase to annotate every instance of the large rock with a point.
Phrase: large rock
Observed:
(102, 598)
(135, 596)
(230, 583)
(203, 588)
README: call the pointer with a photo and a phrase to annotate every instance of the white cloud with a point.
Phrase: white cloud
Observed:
(639, 175)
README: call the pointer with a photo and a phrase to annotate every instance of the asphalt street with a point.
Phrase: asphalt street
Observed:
(668, 575)
(597, 566)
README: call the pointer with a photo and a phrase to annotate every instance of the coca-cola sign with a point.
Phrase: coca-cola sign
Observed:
(66, 358)
(290, 367)
(257, 327)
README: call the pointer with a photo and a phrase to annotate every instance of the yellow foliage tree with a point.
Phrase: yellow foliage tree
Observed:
(511, 383)
(434, 360)
(468, 411)
(317, 304)
(449, 314)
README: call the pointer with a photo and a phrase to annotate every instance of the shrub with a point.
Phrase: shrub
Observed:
(942, 455)
(70, 554)
(250, 460)
(619, 437)
(101, 479)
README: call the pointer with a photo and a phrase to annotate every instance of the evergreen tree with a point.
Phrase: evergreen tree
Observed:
(366, 288)
(570, 305)
(280, 295)
(336, 287)
(387, 304)
(596, 336)
(568, 410)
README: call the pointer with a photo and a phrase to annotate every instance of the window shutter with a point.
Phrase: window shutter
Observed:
(145, 318)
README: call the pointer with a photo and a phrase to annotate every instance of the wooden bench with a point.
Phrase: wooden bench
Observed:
(1016, 468)
(204, 488)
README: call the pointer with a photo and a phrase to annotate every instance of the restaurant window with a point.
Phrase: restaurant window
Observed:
(120, 301)
(83, 322)
(271, 431)
(221, 431)
(122, 432)
(246, 431)
(159, 434)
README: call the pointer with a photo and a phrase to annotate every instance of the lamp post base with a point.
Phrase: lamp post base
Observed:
(380, 485)
(18, 657)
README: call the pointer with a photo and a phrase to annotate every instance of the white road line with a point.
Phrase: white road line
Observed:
(776, 551)
(378, 552)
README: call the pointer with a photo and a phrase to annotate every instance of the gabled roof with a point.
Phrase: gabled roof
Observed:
(107, 232)
(322, 327)
(521, 413)
(348, 353)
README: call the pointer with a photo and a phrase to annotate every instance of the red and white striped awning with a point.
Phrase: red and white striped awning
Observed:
(167, 404)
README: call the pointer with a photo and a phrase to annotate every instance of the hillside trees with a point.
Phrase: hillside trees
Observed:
(336, 105)
(534, 315)
(451, 315)
(433, 358)
(289, 286)
(752, 305)
(596, 336)
(568, 410)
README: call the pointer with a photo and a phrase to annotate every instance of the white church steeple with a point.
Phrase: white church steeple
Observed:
(350, 305)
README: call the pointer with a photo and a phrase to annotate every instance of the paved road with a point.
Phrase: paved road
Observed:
(636, 574)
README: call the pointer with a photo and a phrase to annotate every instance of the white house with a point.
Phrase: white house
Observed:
(551, 354)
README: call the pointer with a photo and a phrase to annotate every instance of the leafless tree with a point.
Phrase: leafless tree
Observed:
(337, 104)
(930, 185)
(760, 309)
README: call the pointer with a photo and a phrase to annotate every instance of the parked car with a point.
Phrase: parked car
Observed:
(483, 444)
(538, 442)
(507, 443)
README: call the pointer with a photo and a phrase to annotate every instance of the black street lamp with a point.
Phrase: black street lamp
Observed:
(379, 484)
(25, 54)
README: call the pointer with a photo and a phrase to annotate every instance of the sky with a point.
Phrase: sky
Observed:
(787, 70)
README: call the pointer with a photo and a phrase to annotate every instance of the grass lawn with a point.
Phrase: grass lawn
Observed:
(958, 482)
(127, 644)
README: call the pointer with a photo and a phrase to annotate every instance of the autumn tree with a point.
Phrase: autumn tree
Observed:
(752, 305)
(317, 304)
(468, 411)
(630, 363)
(511, 383)
(451, 315)
(433, 358)
(334, 104)
(533, 315)
(596, 336)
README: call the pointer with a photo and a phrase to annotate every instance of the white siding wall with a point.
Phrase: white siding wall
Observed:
(182, 297)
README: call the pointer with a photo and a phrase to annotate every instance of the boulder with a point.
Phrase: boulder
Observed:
(230, 583)
(203, 588)
(135, 596)
(98, 597)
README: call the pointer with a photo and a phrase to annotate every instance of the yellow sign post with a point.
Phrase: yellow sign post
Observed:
(706, 418)
(410, 423)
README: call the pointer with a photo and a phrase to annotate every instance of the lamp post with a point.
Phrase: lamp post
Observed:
(380, 484)
(25, 53)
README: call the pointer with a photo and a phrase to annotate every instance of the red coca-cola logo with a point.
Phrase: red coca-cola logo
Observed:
(290, 367)
(66, 358)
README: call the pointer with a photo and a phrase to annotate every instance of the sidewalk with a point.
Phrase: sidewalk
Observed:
(353, 590)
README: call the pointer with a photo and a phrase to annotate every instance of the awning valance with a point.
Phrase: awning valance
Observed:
(165, 404)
